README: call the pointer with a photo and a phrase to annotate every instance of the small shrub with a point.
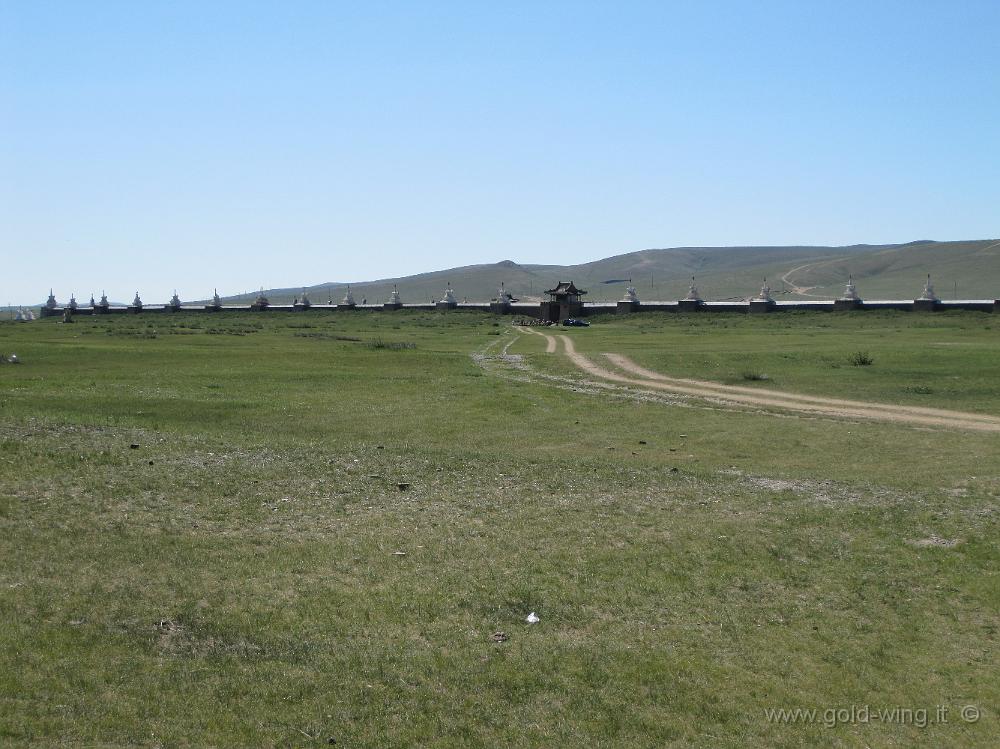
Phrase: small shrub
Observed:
(919, 389)
(327, 337)
(378, 343)
(861, 359)
(753, 375)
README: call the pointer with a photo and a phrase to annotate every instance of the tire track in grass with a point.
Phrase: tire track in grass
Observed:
(742, 396)
(628, 365)
(550, 345)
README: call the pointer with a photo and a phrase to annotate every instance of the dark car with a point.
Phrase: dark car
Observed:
(573, 322)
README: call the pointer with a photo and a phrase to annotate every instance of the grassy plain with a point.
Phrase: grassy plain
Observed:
(253, 572)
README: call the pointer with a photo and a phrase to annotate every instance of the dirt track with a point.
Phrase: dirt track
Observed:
(804, 290)
(745, 396)
(550, 345)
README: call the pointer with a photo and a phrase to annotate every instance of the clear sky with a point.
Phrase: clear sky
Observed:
(160, 145)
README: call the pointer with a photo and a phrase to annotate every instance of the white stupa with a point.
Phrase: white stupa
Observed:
(92, 302)
(692, 295)
(261, 300)
(175, 301)
(348, 298)
(216, 301)
(137, 302)
(304, 302)
(449, 296)
(850, 291)
(394, 298)
(104, 301)
(72, 302)
(504, 297)
(765, 294)
(630, 295)
(928, 294)
(51, 302)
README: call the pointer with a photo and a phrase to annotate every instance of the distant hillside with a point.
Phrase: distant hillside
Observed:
(960, 270)
(881, 271)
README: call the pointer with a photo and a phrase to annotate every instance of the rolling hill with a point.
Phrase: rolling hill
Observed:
(961, 269)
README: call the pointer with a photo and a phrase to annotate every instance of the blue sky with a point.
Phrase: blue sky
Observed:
(190, 145)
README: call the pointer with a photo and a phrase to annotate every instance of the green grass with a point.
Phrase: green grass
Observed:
(953, 353)
(233, 580)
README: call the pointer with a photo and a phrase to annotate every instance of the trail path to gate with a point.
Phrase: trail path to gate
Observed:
(550, 346)
(628, 372)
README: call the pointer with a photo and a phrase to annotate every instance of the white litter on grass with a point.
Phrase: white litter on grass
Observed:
(532, 618)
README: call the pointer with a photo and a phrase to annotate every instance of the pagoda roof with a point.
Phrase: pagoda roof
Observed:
(565, 287)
